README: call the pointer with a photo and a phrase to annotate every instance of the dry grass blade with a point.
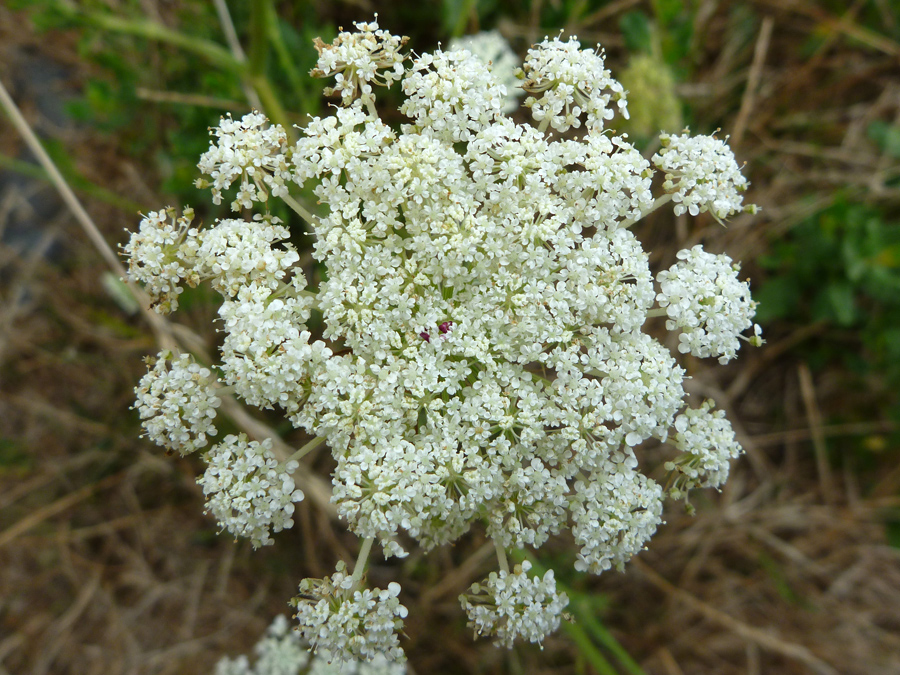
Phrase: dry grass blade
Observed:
(28, 522)
(167, 334)
(749, 633)
(814, 417)
(753, 79)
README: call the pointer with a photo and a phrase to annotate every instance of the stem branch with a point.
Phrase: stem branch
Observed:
(660, 201)
(306, 449)
(300, 210)
(361, 560)
(501, 557)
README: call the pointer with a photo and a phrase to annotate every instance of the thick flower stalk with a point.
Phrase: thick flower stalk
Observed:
(482, 359)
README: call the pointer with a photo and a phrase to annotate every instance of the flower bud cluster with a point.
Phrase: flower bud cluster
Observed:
(570, 81)
(515, 605)
(706, 441)
(161, 256)
(249, 150)
(357, 60)
(482, 357)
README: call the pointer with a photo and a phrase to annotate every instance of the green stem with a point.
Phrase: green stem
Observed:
(587, 649)
(257, 62)
(309, 104)
(462, 18)
(212, 52)
(660, 201)
(659, 311)
(544, 124)
(306, 449)
(361, 560)
(300, 210)
(606, 639)
(259, 41)
(501, 557)
(274, 110)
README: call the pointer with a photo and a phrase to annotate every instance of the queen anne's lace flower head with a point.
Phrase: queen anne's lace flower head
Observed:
(342, 621)
(247, 490)
(478, 352)
(515, 605)
(359, 60)
(702, 175)
(705, 300)
(565, 81)
(177, 402)
(250, 150)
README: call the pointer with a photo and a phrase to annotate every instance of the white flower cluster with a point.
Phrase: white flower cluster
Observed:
(615, 512)
(251, 150)
(570, 81)
(161, 256)
(515, 605)
(492, 48)
(177, 402)
(482, 356)
(235, 253)
(706, 441)
(704, 299)
(248, 491)
(452, 94)
(359, 60)
(702, 175)
(344, 621)
(282, 651)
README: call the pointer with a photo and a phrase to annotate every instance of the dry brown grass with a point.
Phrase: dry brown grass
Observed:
(107, 564)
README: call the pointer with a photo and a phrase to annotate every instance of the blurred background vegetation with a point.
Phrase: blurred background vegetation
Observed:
(107, 564)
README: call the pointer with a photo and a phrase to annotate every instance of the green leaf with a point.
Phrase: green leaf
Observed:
(842, 302)
(885, 136)
(637, 32)
(778, 298)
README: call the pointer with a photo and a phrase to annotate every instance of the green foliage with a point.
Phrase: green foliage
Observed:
(181, 64)
(637, 31)
(15, 457)
(842, 266)
(886, 137)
